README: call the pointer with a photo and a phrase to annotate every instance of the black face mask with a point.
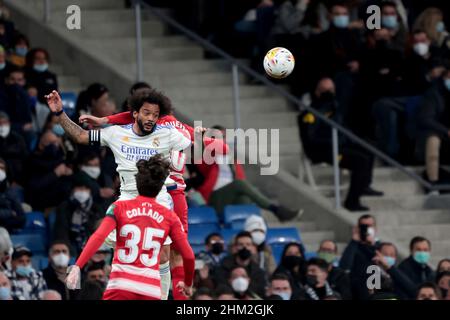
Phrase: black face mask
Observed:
(244, 254)
(217, 248)
(311, 281)
(291, 262)
(444, 292)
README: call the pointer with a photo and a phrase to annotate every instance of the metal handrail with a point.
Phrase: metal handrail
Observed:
(209, 46)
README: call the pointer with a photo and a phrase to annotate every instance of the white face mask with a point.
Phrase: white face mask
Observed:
(258, 237)
(4, 130)
(81, 196)
(2, 175)
(371, 231)
(91, 171)
(421, 49)
(61, 260)
(240, 284)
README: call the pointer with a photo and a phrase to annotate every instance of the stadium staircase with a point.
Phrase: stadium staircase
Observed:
(104, 51)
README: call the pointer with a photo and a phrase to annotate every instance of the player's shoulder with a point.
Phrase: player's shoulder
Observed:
(166, 212)
(161, 128)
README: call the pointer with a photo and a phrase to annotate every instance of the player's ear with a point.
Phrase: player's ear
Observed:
(135, 115)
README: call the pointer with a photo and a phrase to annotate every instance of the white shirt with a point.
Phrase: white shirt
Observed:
(128, 148)
(225, 174)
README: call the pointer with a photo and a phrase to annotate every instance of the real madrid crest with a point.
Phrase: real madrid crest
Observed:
(156, 142)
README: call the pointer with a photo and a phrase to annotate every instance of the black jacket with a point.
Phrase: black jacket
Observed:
(53, 283)
(12, 216)
(339, 281)
(15, 102)
(403, 286)
(416, 272)
(434, 111)
(14, 151)
(45, 82)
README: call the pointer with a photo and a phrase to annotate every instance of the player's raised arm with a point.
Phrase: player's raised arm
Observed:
(74, 131)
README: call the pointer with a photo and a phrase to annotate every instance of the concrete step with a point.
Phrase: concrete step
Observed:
(129, 43)
(192, 80)
(217, 92)
(257, 121)
(154, 54)
(113, 29)
(412, 217)
(59, 5)
(412, 202)
(69, 82)
(304, 226)
(407, 232)
(93, 15)
(314, 238)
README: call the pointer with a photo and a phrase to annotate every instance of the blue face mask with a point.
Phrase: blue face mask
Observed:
(447, 84)
(21, 51)
(58, 130)
(341, 21)
(389, 22)
(5, 293)
(40, 67)
(24, 271)
(390, 261)
(422, 257)
(284, 295)
(2, 65)
(440, 27)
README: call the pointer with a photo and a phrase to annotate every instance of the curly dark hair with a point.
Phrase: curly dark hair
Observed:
(152, 96)
(151, 175)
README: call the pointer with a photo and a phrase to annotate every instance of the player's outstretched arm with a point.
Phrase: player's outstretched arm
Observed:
(181, 245)
(74, 131)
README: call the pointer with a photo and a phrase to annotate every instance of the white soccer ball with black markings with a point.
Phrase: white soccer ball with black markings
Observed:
(279, 63)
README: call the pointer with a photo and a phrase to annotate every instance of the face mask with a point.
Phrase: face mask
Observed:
(240, 284)
(40, 67)
(440, 27)
(24, 271)
(390, 261)
(244, 254)
(21, 51)
(2, 175)
(5, 293)
(341, 22)
(258, 237)
(284, 295)
(447, 84)
(389, 22)
(217, 248)
(58, 130)
(421, 49)
(81, 196)
(61, 260)
(311, 281)
(422, 257)
(2, 65)
(327, 256)
(444, 292)
(4, 131)
(291, 262)
(327, 96)
(91, 171)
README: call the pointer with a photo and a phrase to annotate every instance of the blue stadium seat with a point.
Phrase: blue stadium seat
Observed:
(277, 250)
(35, 242)
(34, 221)
(198, 232)
(228, 234)
(310, 254)
(69, 100)
(235, 215)
(202, 215)
(197, 248)
(282, 236)
(51, 219)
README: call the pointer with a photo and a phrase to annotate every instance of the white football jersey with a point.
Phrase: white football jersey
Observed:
(128, 148)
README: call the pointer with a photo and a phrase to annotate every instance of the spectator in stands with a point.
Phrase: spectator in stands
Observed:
(12, 216)
(279, 285)
(26, 283)
(244, 250)
(13, 150)
(428, 291)
(242, 284)
(258, 229)
(293, 265)
(434, 125)
(431, 20)
(338, 279)
(202, 294)
(37, 73)
(224, 292)
(443, 281)
(96, 272)
(391, 20)
(386, 258)
(358, 255)
(5, 66)
(76, 218)
(6, 250)
(21, 46)
(224, 183)
(95, 97)
(317, 143)
(49, 175)
(6, 32)
(416, 267)
(56, 272)
(443, 265)
(91, 290)
(51, 295)
(202, 278)
(5, 287)
(316, 284)
(90, 170)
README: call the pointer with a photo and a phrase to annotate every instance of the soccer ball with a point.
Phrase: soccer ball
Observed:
(279, 63)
